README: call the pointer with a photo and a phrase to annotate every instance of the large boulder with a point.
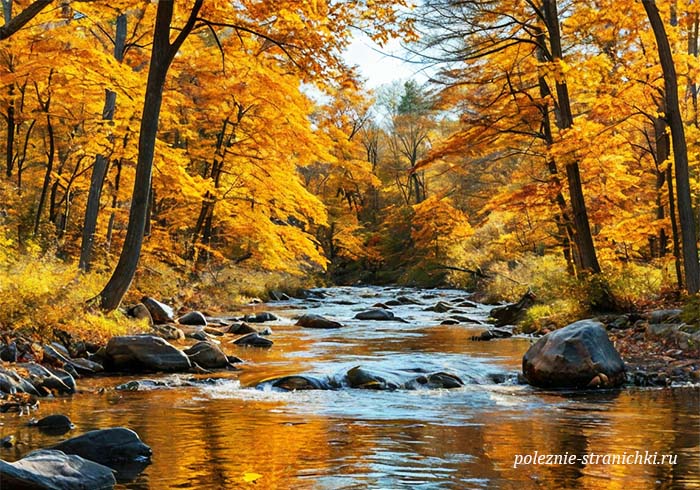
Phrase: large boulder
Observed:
(110, 447)
(207, 355)
(160, 312)
(577, 356)
(144, 353)
(55, 470)
(317, 321)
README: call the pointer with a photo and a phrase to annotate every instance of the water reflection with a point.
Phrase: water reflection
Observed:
(209, 437)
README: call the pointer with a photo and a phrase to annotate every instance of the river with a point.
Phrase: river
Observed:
(228, 434)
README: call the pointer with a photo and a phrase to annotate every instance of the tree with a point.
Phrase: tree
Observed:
(162, 56)
(99, 170)
(680, 151)
(14, 24)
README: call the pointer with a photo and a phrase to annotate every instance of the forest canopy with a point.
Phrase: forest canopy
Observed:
(554, 139)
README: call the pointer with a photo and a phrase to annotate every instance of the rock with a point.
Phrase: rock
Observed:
(467, 304)
(317, 321)
(67, 376)
(494, 333)
(660, 330)
(144, 353)
(55, 470)
(262, 317)
(55, 425)
(253, 340)
(665, 316)
(295, 383)
(46, 382)
(621, 322)
(279, 296)
(213, 331)
(12, 382)
(207, 355)
(160, 313)
(110, 447)
(465, 319)
(405, 300)
(83, 366)
(8, 353)
(18, 402)
(376, 314)
(449, 321)
(241, 329)
(576, 356)
(267, 331)
(364, 379)
(385, 306)
(234, 359)
(192, 318)
(8, 442)
(140, 312)
(512, 313)
(438, 380)
(440, 307)
(169, 332)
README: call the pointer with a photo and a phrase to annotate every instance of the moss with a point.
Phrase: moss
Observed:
(690, 313)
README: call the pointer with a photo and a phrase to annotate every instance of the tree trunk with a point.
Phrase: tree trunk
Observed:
(674, 226)
(11, 129)
(162, 55)
(99, 169)
(680, 151)
(49, 167)
(582, 237)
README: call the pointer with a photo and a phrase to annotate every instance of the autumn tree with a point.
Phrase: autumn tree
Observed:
(680, 151)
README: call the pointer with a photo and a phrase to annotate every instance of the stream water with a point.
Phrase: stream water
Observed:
(220, 435)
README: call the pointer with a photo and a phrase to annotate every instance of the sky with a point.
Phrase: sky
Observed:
(379, 65)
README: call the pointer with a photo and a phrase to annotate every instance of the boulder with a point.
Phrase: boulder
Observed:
(140, 312)
(192, 318)
(80, 365)
(317, 321)
(241, 329)
(376, 314)
(253, 340)
(169, 332)
(110, 447)
(262, 317)
(48, 381)
(12, 382)
(207, 355)
(361, 378)
(440, 307)
(144, 353)
(296, 382)
(55, 425)
(512, 313)
(55, 470)
(665, 316)
(160, 313)
(494, 333)
(576, 356)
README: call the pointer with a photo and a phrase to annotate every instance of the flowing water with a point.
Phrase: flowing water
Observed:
(228, 434)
